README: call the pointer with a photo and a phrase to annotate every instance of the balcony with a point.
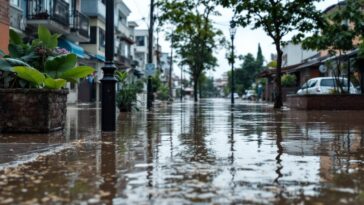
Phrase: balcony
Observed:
(80, 27)
(93, 8)
(54, 14)
(16, 18)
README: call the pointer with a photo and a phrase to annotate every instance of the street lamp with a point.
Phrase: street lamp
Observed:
(108, 117)
(150, 56)
(232, 35)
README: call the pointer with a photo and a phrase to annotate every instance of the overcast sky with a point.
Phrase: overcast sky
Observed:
(246, 40)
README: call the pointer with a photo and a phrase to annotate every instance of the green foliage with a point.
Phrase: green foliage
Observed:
(126, 97)
(272, 64)
(54, 83)
(277, 18)
(207, 87)
(58, 64)
(29, 74)
(260, 57)
(39, 64)
(288, 80)
(246, 74)
(74, 74)
(341, 27)
(194, 36)
(163, 92)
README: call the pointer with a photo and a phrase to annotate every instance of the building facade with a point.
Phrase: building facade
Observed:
(4, 25)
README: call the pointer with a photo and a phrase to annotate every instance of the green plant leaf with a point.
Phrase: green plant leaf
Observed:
(53, 41)
(16, 62)
(44, 35)
(54, 66)
(54, 83)
(15, 38)
(75, 74)
(15, 50)
(29, 74)
(4, 66)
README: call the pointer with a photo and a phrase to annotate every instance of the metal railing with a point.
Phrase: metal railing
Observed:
(80, 23)
(56, 10)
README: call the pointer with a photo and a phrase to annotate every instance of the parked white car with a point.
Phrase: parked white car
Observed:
(236, 95)
(325, 85)
(250, 95)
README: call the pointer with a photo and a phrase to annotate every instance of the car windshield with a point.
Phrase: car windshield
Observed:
(332, 82)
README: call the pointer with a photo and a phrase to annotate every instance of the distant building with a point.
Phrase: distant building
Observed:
(141, 51)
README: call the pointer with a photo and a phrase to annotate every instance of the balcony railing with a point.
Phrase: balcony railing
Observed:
(16, 18)
(80, 23)
(56, 10)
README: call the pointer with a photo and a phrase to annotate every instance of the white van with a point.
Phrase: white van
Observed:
(325, 85)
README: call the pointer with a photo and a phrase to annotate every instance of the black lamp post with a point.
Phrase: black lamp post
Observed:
(150, 56)
(232, 35)
(108, 117)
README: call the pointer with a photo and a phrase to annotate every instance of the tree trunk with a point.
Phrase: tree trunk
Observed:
(195, 89)
(278, 103)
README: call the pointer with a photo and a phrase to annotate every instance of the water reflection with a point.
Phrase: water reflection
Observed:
(108, 167)
(187, 153)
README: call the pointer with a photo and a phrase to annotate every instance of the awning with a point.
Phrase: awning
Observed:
(71, 47)
(100, 57)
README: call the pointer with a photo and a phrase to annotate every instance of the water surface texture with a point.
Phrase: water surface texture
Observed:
(185, 153)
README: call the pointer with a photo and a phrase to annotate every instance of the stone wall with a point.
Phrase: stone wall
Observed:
(32, 110)
(326, 102)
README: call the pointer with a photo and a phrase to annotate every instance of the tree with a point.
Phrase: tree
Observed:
(245, 75)
(260, 57)
(195, 38)
(207, 88)
(277, 18)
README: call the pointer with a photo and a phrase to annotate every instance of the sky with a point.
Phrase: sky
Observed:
(246, 40)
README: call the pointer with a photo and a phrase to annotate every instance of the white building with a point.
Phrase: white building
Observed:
(294, 54)
(141, 51)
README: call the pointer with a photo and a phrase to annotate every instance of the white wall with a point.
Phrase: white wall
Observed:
(294, 54)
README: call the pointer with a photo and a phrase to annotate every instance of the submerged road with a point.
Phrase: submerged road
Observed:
(185, 153)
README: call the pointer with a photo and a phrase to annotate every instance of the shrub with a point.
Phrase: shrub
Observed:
(39, 64)
(288, 80)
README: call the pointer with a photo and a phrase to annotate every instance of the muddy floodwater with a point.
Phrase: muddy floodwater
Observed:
(186, 153)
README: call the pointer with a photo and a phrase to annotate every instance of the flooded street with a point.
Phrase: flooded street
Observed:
(184, 153)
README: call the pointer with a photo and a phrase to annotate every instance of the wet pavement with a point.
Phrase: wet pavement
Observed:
(186, 153)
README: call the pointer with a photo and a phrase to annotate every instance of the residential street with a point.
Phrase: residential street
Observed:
(185, 152)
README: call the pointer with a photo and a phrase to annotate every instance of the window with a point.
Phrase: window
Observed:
(313, 83)
(93, 33)
(140, 40)
(101, 39)
(15, 3)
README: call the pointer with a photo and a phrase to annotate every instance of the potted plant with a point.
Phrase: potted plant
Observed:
(126, 97)
(33, 77)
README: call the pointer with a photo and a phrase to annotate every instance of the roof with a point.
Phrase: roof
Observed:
(272, 71)
(312, 63)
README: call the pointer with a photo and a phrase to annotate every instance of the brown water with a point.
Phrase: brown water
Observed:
(206, 153)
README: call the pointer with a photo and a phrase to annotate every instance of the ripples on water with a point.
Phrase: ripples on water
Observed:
(192, 153)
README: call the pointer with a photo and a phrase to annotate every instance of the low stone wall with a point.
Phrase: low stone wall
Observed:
(32, 110)
(325, 102)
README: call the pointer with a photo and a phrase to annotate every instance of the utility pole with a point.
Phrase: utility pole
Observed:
(150, 55)
(108, 117)
(170, 71)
